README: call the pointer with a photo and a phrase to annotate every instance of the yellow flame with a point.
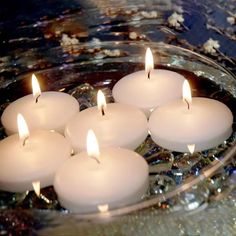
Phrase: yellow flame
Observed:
(35, 86)
(36, 186)
(187, 92)
(101, 101)
(191, 148)
(149, 63)
(103, 208)
(92, 145)
(22, 127)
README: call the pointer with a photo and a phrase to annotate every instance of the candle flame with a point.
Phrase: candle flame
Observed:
(103, 208)
(149, 62)
(92, 145)
(101, 101)
(36, 186)
(35, 87)
(187, 92)
(191, 148)
(22, 128)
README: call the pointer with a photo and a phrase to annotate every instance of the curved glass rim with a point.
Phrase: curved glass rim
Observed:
(190, 182)
(86, 45)
(150, 44)
(205, 173)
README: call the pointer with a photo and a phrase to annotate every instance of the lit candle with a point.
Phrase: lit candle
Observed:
(202, 121)
(115, 124)
(26, 158)
(149, 88)
(111, 177)
(47, 110)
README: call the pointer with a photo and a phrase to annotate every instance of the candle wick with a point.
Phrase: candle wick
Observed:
(149, 73)
(37, 98)
(96, 159)
(187, 103)
(24, 141)
(102, 110)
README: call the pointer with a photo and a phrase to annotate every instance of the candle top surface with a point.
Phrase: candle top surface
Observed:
(120, 124)
(36, 160)
(206, 118)
(119, 172)
(44, 114)
(162, 87)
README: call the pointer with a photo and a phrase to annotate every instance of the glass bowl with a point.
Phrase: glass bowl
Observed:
(180, 183)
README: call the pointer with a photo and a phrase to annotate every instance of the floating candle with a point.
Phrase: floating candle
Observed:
(32, 157)
(149, 88)
(201, 121)
(115, 124)
(111, 177)
(47, 110)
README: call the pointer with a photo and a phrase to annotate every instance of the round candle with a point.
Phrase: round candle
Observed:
(48, 111)
(32, 158)
(114, 177)
(117, 125)
(204, 122)
(149, 88)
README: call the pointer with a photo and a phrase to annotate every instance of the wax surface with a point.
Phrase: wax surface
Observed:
(37, 160)
(137, 90)
(120, 179)
(52, 112)
(121, 126)
(206, 124)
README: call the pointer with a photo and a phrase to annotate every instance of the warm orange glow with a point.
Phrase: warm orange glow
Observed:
(149, 63)
(187, 97)
(191, 148)
(101, 101)
(22, 127)
(36, 186)
(35, 87)
(92, 145)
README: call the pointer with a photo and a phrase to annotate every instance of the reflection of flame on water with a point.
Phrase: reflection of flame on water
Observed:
(103, 208)
(191, 148)
(36, 186)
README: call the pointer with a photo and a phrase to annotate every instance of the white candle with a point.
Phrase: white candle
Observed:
(207, 123)
(48, 111)
(112, 177)
(31, 158)
(115, 124)
(148, 89)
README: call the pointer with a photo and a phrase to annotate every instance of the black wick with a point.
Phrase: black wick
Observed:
(37, 98)
(149, 72)
(24, 141)
(102, 110)
(96, 160)
(187, 103)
